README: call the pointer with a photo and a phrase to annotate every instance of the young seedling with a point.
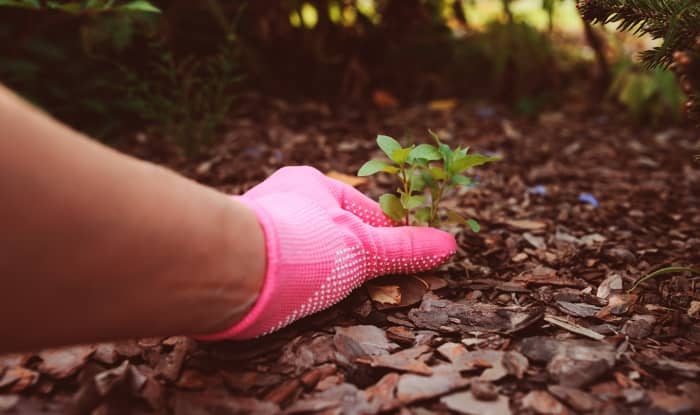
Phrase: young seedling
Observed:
(426, 174)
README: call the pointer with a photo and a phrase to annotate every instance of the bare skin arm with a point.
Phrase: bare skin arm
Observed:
(96, 245)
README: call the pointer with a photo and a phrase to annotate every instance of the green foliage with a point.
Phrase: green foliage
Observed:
(676, 22)
(186, 99)
(647, 94)
(426, 173)
(112, 68)
(66, 65)
(87, 6)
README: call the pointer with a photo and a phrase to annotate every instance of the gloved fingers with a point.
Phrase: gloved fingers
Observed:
(355, 202)
(408, 249)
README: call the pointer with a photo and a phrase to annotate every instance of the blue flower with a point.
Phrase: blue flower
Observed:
(588, 198)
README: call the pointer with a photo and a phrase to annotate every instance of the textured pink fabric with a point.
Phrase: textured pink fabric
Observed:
(324, 239)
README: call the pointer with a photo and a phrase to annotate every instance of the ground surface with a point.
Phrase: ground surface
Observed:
(532, 316)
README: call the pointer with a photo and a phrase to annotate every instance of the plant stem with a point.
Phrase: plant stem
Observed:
(407, 190)
(436, 202)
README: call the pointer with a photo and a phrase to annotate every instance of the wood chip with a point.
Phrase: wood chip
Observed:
(578, 309)
(549, 280)
(448, 316)
(405, 361)
(284, 392)
(572, 327)
(362, 340)
(672, 404)
(572, 363)
(467, 403)
(218, 402)
(610, 284)
(413, 388)
(401, 334)
(383, 393)
(576, 398)
(61, 363)
(8, 402)
(525, 224)
(170, 365)
(544, 403)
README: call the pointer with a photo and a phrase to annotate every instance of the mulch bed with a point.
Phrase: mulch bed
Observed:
(531, 316)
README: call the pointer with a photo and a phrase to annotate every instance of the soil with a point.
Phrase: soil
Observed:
(533, 315)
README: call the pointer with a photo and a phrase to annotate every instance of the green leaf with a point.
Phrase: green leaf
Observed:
(461, 180)
(437, 173)
(417, 182)
(474, 225)
(66, 7)
(427, 179)
(446, 154)
(30, 4)
(388, 145)
(411, 202)
(391, 206)
(426, 151)
(400, 155)
(376, 166)
(417, 162)
(140, 6)
(422, 215)
(471, 160)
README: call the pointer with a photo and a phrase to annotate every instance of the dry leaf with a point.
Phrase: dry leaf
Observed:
(509, 130)
(410, 291)
(384, 99)
(442, 104)
(384, 294)
(353, 181)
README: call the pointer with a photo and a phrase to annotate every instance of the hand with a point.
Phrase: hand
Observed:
(324, 239)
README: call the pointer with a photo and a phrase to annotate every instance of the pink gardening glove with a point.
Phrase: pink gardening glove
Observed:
(323, 239)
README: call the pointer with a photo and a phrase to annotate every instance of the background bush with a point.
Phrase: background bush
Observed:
(109, 67)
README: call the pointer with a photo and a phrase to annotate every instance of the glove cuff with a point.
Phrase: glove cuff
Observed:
(245, 328)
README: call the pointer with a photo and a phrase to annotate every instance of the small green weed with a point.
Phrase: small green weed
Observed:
(662, 271)
(426, 174)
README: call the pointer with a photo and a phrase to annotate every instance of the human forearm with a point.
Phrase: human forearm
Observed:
(147, 252)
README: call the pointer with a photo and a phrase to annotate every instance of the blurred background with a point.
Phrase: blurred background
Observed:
(178, 69)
